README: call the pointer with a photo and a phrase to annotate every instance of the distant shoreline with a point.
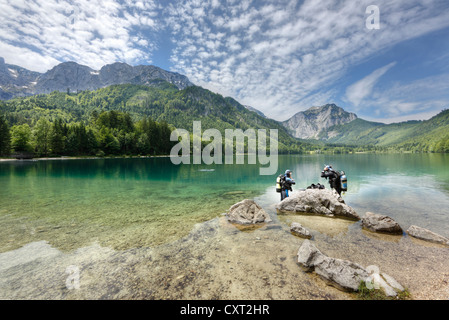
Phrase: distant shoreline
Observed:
(168, 156)
(82, 158)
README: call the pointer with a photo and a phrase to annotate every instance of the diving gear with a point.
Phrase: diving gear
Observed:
(279, 182)
(335, 179)
(284, 183)
(344, 182)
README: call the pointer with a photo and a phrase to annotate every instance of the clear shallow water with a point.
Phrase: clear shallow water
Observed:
(122, 202)
(133, 220)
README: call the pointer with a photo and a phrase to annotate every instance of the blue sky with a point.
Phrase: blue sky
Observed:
(278, 56)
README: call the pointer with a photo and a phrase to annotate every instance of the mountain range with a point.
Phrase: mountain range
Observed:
(333, 125)
(171, 97)
(16, 81)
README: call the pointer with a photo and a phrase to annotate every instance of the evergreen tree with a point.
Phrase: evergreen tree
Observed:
(92, 142)
(72, 144)
(21, 138)
(108, 143)
(57, 138)
(143, 144)
(41, 137)
(5, 137)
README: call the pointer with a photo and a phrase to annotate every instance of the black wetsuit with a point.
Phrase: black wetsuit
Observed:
(286, 186)
(334, 179)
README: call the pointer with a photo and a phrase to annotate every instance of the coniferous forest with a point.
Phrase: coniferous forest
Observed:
(107, 133)
(83, 124)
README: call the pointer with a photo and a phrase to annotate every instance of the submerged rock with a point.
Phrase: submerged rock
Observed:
(343, 274)
(380, 223)
(318, 201)
(297, 229)
(427, 235)
(247, 212)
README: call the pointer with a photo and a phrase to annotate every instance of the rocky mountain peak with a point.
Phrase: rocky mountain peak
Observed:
(310, 123)
(67, 75)
(15, 80)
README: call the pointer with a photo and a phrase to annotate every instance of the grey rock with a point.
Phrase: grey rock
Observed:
(308, 255)
(318, 201)
(247, 212)
(343, 274)
(427, 235)
(380, 223)
(297, 229)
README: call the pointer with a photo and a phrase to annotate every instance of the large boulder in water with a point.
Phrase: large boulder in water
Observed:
(318, 201)
(247, 212)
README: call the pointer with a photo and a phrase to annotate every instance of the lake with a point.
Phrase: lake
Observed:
(147, 229)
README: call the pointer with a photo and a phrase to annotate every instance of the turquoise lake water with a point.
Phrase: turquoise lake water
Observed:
(146, 203)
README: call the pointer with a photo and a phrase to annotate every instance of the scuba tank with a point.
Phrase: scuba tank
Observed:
(279, 182)
(344, 182)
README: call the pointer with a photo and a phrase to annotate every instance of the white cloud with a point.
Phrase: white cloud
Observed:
(93, 33)
(290, 51)
(363, 88)
(279, 56)
(415, 100)
(27, 58)
(396, 119)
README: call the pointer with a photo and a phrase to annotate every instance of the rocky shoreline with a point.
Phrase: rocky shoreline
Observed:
(223, 260)
(343, 274)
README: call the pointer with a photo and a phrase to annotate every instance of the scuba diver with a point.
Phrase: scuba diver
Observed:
(284, 183)
(337, 180)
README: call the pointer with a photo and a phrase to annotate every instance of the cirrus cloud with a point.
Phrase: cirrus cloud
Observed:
(363, 88)
(279, 56)
(93, 32)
